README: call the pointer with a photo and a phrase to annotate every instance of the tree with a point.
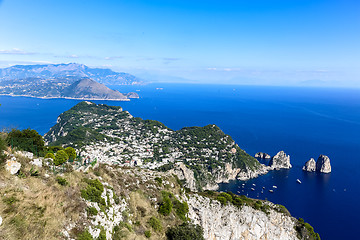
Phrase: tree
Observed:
(26, 140)
(70, 152)
(60, 158)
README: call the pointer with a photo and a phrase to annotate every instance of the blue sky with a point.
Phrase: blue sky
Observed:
(273, 42)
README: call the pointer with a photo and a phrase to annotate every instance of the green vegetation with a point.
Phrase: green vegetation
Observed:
(91, 211)
(2, 149)
(85, 235)
(102, 235)
(305, 230)
(185, 231)
(60, 157)
(92, 191)
(62, 181)
(26, 140)
(158, 180)
(169, 202)
(155, 223)
(147, 234)
(70, 152)
(50, 155)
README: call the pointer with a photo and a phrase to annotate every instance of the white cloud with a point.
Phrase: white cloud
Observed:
(16, 51)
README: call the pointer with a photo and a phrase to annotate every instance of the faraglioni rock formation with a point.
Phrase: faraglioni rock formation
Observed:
(280, 160)
(310, 166)
(323, 164)
(262, 155)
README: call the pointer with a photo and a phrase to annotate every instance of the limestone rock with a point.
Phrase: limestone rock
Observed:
(323, 164)
(186, 174)
(12, 166)
(280, 160)
(262, 155)
(231, 223)
(37, 162)
(310, 166)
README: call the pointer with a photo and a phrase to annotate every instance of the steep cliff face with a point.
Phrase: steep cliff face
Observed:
(280, 160)
(310, 166)
(323, 164)
(227, 222)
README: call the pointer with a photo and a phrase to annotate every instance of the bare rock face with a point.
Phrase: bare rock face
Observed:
(280, 160)
(231, 223)
(262, 155)
(323, 164)
(186, 174)
(12, 166)
(310, 166)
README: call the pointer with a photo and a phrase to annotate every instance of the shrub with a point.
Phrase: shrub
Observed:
(70, 152)
(26, 140)
(85, 235)
(222, 200)
(185, 231)
(50, 155)
(62, 181)
(181, 209)
(155, 223)
(158, 180)
(102, 235)
(92, 191)
(166, 207)
(147, 234)
(60, 158)
(91, 211)
(2, 149)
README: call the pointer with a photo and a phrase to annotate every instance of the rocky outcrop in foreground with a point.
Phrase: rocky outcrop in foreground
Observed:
(262, 155)
(310, 166)
(323, 164)
(280, 160)
(228, 222)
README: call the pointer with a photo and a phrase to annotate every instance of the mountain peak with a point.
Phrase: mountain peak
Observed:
(64, 70)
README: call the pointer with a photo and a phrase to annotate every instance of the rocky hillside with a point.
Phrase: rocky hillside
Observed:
(114, 202)
(200, 156)
(89, 89)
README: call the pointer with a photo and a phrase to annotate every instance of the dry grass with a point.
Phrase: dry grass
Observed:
(41, 207)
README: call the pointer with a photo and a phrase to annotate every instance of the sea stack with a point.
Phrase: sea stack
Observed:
(323, 164)
(262, 155)
(280, 160)
(310, 166)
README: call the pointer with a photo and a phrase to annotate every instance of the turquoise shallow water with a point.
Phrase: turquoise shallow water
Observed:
(304, 122)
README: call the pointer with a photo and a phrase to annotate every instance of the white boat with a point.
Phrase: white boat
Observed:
(274, 186)
(271, 190)
(254, 184)
(252, 189)
(298, 181)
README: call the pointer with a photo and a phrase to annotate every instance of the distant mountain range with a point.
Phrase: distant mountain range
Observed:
(64, 81)
(72, 70)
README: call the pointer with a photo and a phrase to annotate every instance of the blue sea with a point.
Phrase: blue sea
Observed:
(304, 122)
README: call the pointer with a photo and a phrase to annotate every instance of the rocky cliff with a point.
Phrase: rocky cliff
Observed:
(262, 155)
(323, 164)
(280, 160)
(310, 166)
(113, 202)
(228, 222)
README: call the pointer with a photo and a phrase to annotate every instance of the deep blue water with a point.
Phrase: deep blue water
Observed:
(304, 122)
